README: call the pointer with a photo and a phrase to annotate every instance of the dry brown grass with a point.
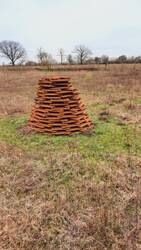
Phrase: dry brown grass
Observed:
(116, 87)
(40, 211)
(59, 199)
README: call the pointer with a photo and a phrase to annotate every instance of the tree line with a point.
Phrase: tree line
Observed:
(16, 54)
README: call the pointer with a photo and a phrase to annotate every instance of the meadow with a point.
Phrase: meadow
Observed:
(72, 192)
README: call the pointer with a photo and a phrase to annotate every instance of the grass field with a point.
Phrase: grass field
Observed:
(76, 192)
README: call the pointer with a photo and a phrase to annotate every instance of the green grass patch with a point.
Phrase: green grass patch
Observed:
(107, 139)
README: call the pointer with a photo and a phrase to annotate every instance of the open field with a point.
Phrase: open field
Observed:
(77, 192)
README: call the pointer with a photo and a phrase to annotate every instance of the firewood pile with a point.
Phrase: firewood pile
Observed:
(58, 109)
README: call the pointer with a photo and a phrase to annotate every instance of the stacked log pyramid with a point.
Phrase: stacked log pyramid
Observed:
(58, 109)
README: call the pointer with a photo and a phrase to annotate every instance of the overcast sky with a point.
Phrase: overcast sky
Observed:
(111, 27)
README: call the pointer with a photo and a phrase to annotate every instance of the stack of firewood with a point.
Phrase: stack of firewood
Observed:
(58, 108)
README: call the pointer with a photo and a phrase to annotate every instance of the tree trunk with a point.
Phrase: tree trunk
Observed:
(13, 63)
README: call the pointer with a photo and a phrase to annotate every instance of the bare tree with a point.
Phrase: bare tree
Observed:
(61, 54)
(44, 57)
(70, 59)
(122, 59)
(12, 50)
(138, 59)
(97, 60)
(105, 60)
(82, 53)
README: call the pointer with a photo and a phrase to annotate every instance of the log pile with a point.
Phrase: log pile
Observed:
(58, 109)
